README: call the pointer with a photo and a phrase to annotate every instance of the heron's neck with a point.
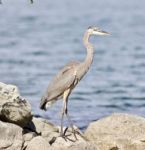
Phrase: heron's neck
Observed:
(85, 65)
(90, 50)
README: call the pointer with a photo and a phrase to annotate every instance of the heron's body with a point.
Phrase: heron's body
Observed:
(60, 83)
(67, 78)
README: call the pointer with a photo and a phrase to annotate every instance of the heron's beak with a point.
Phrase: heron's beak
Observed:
(101, 33)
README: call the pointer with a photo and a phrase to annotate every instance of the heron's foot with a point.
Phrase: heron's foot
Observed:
(75, 133)
(66, 136)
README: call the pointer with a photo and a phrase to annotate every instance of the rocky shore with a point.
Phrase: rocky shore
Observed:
(20, 130)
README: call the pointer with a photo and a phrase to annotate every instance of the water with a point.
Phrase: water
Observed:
(37, 40)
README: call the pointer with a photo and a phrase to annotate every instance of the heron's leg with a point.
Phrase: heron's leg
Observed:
(66, 95)
(71, 124)
(64, 109)
(61, 131)
(62, 116)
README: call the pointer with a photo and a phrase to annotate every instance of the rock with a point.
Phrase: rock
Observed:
(18, 112)
(13, 108)
(49, 136)
(81, 146)
(8, 93)
(118, 132)
(38, 143)
(27, 138)
(40, 126)
(10, 136)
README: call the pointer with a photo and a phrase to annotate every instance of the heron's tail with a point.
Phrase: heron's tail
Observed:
(43, 103)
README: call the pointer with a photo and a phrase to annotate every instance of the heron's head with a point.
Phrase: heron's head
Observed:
(97, 31)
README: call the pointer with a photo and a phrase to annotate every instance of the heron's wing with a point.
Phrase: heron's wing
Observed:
(62, 81)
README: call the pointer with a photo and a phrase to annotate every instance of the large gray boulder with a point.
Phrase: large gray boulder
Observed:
(10, 136)
(13, 108)
(118, 132)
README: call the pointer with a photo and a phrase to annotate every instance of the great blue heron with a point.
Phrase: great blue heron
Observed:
(67, 78)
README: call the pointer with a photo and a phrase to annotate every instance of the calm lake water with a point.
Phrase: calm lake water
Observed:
(37, 40)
